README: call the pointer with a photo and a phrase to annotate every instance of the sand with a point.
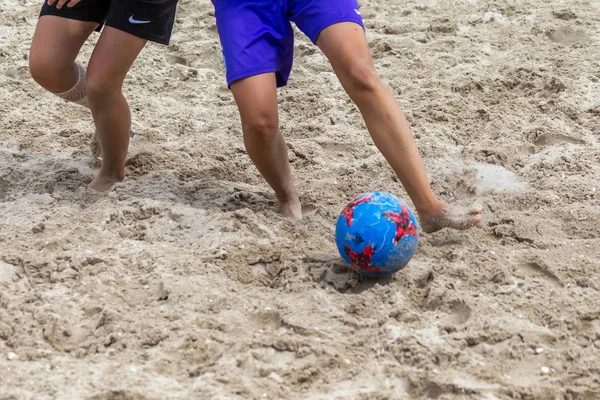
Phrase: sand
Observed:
(184, 283)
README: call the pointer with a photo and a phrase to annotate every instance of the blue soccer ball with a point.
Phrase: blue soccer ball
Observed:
(377, 234)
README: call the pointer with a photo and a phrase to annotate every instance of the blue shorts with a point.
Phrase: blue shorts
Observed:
(257, 35)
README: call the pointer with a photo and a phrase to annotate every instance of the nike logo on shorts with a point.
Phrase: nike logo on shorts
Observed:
(357, 11)
(137, 21)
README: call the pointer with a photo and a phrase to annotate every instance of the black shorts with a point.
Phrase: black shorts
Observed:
(147, 19)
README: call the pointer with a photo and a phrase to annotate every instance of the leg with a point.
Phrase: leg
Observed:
(113, 56)
(55, 45)
(256, 98)
(346, 47)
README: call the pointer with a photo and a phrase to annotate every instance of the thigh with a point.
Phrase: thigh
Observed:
(57, 40)
(346, 47)
(147, 19)
(256, 98)
(313, 16)
(256, 38)
(113, 55)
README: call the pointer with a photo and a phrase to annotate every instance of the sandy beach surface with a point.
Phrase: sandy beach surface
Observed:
(183, 283)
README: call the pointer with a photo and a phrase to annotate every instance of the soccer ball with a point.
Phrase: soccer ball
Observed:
(377, 234)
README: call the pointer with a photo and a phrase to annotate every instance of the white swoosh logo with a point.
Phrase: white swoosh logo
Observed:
(357, 11)
(137, 21)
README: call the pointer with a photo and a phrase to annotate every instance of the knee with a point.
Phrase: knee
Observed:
(261, 126)
(98, 87)
(46, 70)
(363, 77)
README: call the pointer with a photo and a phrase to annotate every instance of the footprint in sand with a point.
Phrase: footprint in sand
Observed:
(175, 59)
(565, 15)
(460, 313)
(547, 139)
(264, 321)
(568, 36)
(118, 395)
(539, 269)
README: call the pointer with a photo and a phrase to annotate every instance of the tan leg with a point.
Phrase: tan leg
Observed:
(345, 46)
(54, 48)
(114, 54)
(256, 98)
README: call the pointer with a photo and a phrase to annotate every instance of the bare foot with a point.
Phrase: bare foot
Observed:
(104, 182)
(291, 208)
(451, 216)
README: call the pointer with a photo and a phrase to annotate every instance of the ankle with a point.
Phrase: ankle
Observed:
(287, 196)
(430, 208)
(117, 174)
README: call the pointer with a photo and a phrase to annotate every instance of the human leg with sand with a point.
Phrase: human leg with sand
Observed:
(258, 56)
(62, 29)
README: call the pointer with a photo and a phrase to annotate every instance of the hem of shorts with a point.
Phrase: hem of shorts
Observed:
(150, 37)
(254, 72)
(333, 22)
(57, 13)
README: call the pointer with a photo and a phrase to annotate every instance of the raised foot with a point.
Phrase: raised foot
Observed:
(451, 216)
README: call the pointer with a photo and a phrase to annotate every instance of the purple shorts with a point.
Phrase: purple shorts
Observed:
(257, 35)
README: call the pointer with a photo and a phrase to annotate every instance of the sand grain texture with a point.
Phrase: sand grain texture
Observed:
(184, 283)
